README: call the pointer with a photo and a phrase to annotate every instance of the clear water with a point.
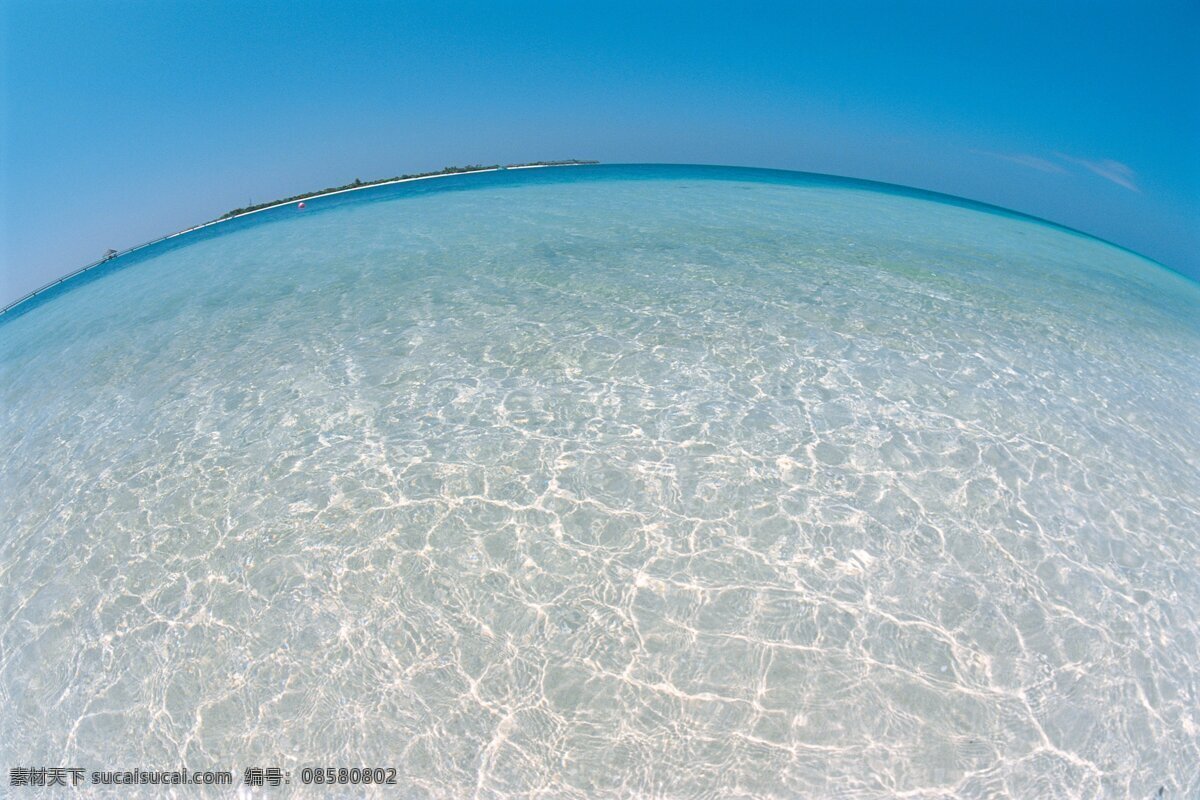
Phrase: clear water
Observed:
(611, 482)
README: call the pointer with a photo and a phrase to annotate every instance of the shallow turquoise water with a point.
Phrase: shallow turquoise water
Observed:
(611, 481)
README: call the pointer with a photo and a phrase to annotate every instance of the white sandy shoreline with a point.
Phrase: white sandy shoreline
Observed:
(350, 189)
(219, 220)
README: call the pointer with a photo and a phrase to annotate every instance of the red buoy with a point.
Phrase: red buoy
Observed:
(301, 204)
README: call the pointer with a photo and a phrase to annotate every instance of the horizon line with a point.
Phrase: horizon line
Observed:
(917, 191)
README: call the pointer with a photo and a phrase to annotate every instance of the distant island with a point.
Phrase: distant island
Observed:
(358, 184)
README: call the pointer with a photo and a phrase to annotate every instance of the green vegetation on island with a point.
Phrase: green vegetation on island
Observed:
(358, 184)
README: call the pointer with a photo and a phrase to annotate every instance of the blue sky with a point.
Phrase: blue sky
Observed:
(122, 121)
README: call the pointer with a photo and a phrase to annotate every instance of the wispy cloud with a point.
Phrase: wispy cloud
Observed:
(1115, 171)
(1027, 160)
(1120, 174)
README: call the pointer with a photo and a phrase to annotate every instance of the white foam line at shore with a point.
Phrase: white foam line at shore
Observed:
(219, 220)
